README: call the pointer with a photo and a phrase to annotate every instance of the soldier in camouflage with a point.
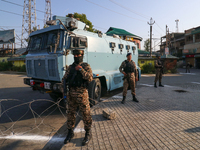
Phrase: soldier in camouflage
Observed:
(159, 71)
(128, 68)
(78, 76)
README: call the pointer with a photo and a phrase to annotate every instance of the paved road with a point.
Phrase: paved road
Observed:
(38, 123)
(165, 118)
(28, 118)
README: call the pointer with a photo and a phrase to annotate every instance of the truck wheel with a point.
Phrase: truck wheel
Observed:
(94, 91)
(56, 97)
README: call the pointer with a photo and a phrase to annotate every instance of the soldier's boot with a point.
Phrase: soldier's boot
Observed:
(123, 100)
(135, 99)
(70, 135)
(161, 84)
(88, 136)
(155, 85)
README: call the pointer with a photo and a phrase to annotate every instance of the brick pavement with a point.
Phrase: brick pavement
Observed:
(164, 119)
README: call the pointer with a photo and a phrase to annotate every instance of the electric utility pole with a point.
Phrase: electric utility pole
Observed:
(151, 23)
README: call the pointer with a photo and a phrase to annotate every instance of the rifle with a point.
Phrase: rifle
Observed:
(65, 91)
(162, 70)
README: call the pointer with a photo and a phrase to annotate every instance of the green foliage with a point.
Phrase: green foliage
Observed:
(8, 66)
(84, 19)
(19, 68)
(148, 68)
(147, 45)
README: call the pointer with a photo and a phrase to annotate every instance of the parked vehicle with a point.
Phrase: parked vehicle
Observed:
(50, 52)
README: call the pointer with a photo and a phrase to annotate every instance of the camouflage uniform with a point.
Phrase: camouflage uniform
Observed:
(188, 67)
(78, 97)
(158, 66)
(129, 80)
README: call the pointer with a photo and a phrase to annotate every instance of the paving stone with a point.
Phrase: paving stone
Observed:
(161, 120)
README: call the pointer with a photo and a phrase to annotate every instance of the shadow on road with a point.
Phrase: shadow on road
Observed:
(11, 146)
(22, 103)
(193, 130)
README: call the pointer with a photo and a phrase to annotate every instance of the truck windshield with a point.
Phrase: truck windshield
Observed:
(45, 41)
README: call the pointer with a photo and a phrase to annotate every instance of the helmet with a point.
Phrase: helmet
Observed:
(128, 54)
(78, 52)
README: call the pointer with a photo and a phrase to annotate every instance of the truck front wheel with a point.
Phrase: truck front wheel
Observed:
(94, 91)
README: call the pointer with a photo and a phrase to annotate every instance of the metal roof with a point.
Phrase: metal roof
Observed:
(169, 56)
(121, 32)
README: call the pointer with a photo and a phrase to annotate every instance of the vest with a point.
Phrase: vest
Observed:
(159, 63)
(75, 78)
(129, 68)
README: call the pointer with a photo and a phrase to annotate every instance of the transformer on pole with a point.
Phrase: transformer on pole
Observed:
(47, 14)
(176, 24)
(151, 23)
(29, 20)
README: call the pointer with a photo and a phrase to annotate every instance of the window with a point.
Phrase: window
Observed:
(137, 45)
(78, 42)
(133, 48)
(121, 46)
(142, 62)
(112, 45)
(197, 36)
(127, 47)
(35, 43)
(44, 41)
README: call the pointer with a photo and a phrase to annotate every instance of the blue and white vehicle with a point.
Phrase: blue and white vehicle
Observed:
(50, 51)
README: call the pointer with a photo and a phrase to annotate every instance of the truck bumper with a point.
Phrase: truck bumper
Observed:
(44, 86)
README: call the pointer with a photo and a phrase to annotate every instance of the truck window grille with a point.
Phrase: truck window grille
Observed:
(52, 67)
(29, 69)
(40, 70)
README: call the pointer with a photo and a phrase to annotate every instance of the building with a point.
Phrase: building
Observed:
(145, 59)
(176, 42)
(191, 51)
(125, 35)
(18, 61)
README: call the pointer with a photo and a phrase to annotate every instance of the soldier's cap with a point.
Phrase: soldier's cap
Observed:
(78, 52)
(128, 54)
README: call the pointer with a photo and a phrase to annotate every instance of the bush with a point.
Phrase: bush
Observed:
(8, 66)
(148, 68)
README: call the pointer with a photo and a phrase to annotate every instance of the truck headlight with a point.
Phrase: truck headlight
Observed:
(54, 87)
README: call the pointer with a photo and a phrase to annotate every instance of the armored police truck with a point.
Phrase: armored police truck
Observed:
(50, 52)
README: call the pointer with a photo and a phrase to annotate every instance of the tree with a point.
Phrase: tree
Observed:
(84, 19)
(147, 45)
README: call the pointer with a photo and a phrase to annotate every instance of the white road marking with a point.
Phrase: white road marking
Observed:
(196, 82)
(143, 75)
(30, 138)
(78, 130)
(168, 86)
(116, 96)
(150, 85)
(188, 73)
(146, 84)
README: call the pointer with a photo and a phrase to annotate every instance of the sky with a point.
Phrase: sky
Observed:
(131, 15)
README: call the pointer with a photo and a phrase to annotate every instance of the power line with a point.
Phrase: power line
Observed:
(160, 27)
(100, 27)
(156, 30)
(11, 26)
(139, 14)
(21, 5)
(114, 11)
(16, 14)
